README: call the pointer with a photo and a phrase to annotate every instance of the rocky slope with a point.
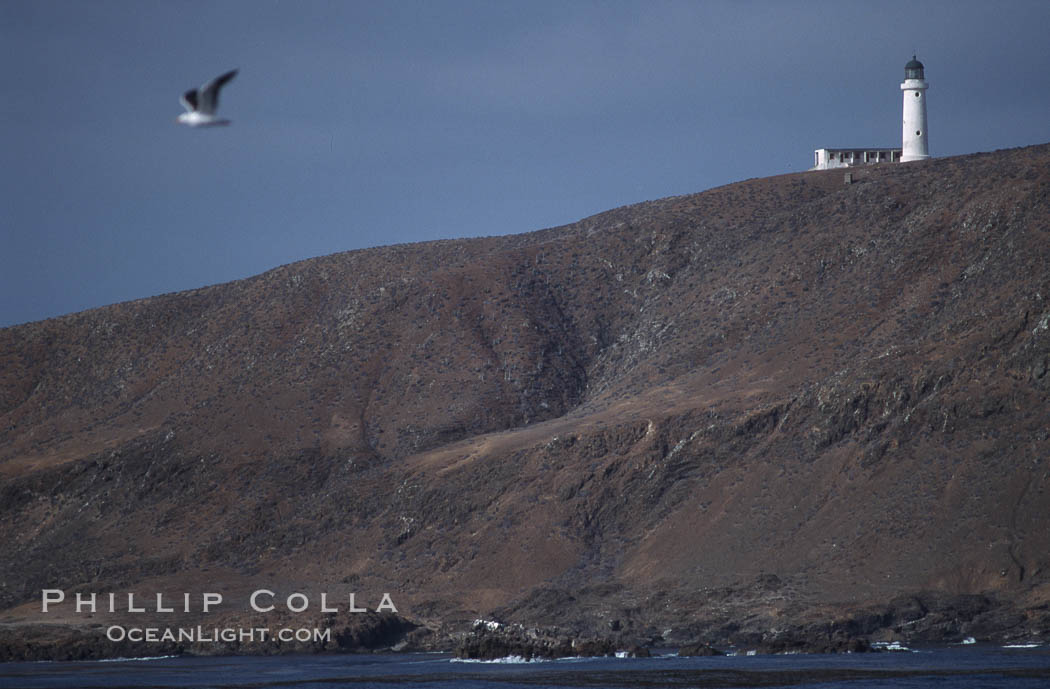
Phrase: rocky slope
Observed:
(774, 404)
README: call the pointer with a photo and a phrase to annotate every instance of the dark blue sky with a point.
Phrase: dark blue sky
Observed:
(358, 124)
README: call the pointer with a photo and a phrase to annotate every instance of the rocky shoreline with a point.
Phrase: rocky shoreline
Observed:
(925, 618)
(490, 640)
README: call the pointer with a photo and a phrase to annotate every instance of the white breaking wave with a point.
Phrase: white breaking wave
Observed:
(132, 660)
(510, 660)
(892, 646)
(499, 661)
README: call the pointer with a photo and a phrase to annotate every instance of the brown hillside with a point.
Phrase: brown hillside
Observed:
(635, 417)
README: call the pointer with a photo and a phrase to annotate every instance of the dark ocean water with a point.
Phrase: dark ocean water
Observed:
(983, 667)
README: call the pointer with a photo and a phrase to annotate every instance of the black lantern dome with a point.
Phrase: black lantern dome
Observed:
(914, 69)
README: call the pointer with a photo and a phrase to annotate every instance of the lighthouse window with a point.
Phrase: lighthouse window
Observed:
(918, 133)
(916, 94)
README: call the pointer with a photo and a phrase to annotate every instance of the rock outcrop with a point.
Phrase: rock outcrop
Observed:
(489, 640)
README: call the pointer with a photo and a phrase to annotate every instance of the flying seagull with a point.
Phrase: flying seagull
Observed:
(201, 103)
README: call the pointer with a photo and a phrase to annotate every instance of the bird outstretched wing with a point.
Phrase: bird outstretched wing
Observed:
(207, 96)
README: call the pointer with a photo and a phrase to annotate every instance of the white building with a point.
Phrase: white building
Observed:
(913, 141)
(828, 158)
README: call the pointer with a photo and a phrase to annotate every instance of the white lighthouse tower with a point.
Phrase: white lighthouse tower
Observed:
(914, 145)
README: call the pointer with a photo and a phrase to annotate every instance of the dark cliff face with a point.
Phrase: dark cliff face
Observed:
(842, 386)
